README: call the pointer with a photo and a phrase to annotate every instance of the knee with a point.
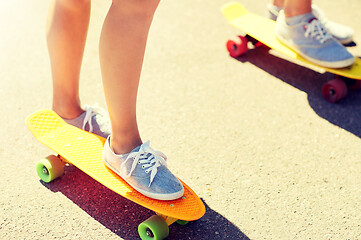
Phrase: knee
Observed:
(74, 4)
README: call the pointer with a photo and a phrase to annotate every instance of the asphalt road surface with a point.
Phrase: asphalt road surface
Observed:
(253, 137)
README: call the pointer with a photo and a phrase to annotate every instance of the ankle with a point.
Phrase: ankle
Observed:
(294, 12)
(124, 145)
(299, 18)
(68, 112)
(278, 3)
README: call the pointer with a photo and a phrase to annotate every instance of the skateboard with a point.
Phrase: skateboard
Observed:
(84, 150)
(261, 31)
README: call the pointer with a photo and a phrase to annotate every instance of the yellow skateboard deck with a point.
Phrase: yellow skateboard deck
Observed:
(84, 150)
(263, 30)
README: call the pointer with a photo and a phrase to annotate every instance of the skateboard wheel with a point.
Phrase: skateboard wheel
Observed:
(356, 85)
(237, 47)
(334, 90)
(153, 228)
(352, 84)
(50, 168)
(182, 222)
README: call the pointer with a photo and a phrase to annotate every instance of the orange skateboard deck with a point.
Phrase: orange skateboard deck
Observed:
(84, 150)
(262, 30)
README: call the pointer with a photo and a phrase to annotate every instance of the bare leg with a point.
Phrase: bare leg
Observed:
(122, 47)
(278, 3)
(297, 7)
(294, 7)
(67, 29)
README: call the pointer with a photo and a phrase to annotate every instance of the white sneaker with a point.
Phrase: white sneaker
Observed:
(94, 120)
(342, 33)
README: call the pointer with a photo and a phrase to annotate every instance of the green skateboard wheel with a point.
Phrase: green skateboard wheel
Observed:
(182, 222)
(153, 228)
(50, 168)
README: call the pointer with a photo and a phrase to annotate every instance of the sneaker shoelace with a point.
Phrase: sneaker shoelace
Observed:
(148, 158)
(99, 113)
(315, 29)
(89, 113)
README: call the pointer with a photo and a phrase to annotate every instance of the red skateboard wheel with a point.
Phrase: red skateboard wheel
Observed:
(334, 90)
(237, 47)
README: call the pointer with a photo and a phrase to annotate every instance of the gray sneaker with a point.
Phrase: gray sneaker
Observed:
(340, 32)
(145, 170)
(311, 40)
(94, 120)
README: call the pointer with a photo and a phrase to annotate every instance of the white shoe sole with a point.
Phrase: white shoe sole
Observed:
(339, 64)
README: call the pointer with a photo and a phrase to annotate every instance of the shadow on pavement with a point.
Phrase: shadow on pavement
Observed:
(122, 216)
(345, 114)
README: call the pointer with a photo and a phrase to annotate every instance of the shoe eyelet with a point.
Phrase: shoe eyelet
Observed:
(139, 162)
(143, 166)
